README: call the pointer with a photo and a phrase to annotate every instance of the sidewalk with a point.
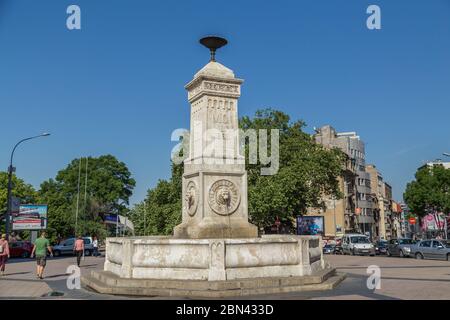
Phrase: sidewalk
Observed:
(15, 288)
(20, 277)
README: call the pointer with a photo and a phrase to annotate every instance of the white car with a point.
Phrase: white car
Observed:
(357, 244)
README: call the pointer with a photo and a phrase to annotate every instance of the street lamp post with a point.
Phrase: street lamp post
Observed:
(117, 219)
(118, 213)
(11, 170)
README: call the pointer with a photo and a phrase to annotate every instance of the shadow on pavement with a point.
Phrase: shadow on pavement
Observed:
(16, 273)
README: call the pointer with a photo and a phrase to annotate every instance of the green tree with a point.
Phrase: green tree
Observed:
(429, 192)
(307, 172)
(160, 212)
(108, 188)
(20, 189)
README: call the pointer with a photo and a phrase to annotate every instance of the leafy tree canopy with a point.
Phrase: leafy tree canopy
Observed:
(307, 171)
(108, 185)
(160, 212)
(20, 189)
(430, 191)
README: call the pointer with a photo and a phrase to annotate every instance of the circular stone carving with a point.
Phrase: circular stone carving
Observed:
(191, 198)
(224, 197)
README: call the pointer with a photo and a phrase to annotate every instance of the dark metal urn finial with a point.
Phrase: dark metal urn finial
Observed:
(213, 43)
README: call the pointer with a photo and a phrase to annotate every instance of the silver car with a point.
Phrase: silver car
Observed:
(431, 249)
(400, 247)
(66, 247)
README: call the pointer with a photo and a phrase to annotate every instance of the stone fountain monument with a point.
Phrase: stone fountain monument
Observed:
(215, 251)
(214, 184)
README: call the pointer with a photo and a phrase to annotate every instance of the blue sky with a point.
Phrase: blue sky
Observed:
(116, 86)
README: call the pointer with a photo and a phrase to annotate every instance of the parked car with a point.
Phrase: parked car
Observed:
(328, 249)
(400, 247)
(338, 249)
(20, 249)
(66, 247)
(381, 247)
(431, 249)
(357, 244)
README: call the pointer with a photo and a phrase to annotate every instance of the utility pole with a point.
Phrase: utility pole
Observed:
(117, 219)
(334, 215)
(145, 214)
(85, 189)
(78, 197)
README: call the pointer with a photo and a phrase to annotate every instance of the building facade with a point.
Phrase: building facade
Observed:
(355, 210)
(378, 199)
(387, 213)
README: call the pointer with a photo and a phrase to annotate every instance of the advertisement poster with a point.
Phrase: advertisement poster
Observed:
(30, 217)
(433, 222)
(310, 225)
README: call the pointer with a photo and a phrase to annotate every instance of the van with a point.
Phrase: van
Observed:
(357, 244)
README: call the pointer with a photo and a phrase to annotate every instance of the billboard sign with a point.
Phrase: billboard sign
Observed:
(310, 225)
(433, 222)
(111, 218)
(30, 217)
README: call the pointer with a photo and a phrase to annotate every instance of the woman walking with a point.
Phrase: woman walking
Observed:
(4, 253)
(78, 248)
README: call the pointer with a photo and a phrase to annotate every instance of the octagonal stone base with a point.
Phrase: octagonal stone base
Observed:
(225, 267)
(213, 259)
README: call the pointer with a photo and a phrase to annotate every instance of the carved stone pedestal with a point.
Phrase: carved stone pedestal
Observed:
(214, 181)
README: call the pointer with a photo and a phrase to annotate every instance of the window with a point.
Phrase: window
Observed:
(437, 244)
(360, 239)
(425, 244)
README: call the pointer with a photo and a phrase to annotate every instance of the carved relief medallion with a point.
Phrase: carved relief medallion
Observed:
(191, 198)
(224, 197)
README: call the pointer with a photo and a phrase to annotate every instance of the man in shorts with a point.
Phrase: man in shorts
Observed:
(41, 245)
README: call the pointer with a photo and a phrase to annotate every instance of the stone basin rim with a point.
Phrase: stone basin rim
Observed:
(167, 240)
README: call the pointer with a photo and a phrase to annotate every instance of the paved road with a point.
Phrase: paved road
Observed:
(401, 278)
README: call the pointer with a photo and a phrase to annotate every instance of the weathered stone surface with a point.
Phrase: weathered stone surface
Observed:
(106, 282)
(214, 181)
(214, 259)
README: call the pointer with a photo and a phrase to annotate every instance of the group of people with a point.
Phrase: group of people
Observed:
(40, 249)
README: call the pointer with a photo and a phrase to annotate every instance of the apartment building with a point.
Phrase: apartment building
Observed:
(355, 209)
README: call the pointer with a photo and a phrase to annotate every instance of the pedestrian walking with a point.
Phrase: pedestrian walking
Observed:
(78, 249)
(4, 253)
(41, 245)
(95, 246)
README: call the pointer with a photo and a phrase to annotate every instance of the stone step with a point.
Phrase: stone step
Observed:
(113, 280)
(186, 288)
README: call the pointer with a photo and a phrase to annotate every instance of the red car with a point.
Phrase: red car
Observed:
(20, 249)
